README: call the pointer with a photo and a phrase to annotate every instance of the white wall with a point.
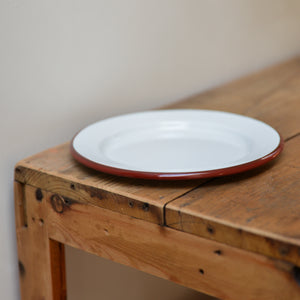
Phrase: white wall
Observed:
(65, 64)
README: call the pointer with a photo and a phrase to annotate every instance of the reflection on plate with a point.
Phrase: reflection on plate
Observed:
(176, 144)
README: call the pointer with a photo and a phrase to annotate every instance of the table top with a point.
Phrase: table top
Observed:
(257, 210)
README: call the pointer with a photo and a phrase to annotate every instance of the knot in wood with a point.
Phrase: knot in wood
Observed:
(57, 203)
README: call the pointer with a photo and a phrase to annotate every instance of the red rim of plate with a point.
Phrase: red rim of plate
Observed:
(178, 175)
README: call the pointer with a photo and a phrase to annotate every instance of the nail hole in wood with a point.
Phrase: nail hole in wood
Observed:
(210, 229)
(72, 186)
(41, 222)
(146, 207)
(130, 203)
(39, 194)
(201, 271)
(218, 252)
(284, 250)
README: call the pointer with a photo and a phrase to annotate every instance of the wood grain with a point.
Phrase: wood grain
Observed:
(55, 170)
(272, 96)
(201, 264)
(258, 210)
(41, 263)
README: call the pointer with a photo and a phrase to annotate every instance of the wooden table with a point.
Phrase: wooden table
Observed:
(236, 237)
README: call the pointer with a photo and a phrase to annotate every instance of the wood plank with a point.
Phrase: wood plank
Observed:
(58, 270)
(201, 264)
(272, 96)
(41, 264)
(239, 95)
(55, 170)
(258, 210)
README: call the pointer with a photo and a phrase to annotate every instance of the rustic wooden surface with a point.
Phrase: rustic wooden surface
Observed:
(216, 269)
(41, 261)
(256, 96)
(55, 170)
(257, 211)
(271, 96)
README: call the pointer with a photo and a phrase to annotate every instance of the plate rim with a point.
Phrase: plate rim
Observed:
(178, 175)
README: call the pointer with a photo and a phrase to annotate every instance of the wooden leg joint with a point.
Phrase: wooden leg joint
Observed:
(41, 260)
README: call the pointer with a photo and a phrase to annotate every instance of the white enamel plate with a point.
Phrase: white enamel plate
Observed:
(176, 144)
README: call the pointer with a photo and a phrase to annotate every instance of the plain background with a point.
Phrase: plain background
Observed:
(65, 64)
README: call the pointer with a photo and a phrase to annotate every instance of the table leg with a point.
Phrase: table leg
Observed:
(41, 260)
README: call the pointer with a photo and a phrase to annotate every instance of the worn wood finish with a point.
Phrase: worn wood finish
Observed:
(257, 211)
(57, 171)
(41, 262)
(194, 262)
(271, 95)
